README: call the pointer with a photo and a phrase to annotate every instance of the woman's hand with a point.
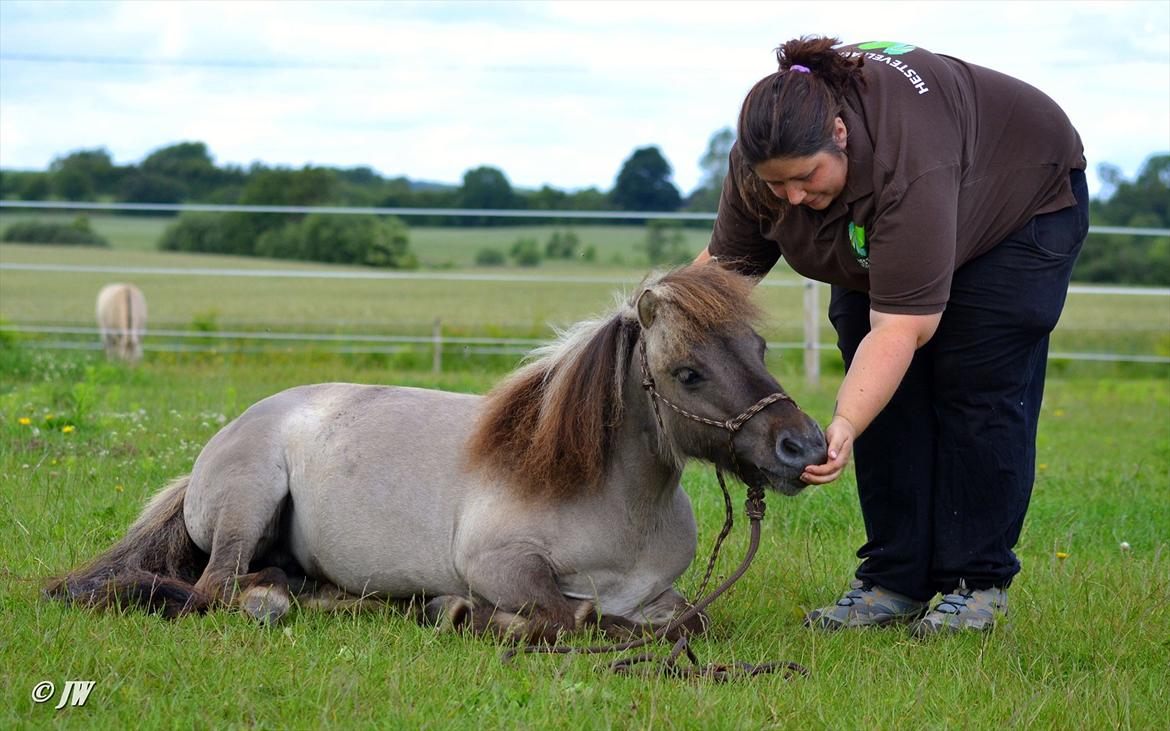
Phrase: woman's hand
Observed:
(840, 435)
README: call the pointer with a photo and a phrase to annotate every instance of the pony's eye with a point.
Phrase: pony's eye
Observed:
(687, 377)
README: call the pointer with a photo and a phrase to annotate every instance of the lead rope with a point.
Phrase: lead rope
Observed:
(754, 508)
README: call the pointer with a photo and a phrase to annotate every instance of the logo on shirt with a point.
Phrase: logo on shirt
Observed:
(892, 48)
(860, 248)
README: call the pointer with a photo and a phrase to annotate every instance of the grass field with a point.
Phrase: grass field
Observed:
(1087, 647)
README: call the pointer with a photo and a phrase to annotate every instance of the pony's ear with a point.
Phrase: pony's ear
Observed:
(646, 305)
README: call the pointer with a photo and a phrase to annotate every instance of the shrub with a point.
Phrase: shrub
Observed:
(525, 252)
(77, 233)
(561, 245)
(490, 258)
(208, 233)
(665, 243)
(364, 240)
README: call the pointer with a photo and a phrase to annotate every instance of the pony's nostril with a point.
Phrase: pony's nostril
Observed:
(790, 447)
(799, 450)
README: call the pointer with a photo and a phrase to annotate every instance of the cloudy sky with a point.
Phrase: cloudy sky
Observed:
(550, 92)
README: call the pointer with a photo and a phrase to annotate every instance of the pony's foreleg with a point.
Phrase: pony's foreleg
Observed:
(450, 612)
(521, 589)
(654, 615)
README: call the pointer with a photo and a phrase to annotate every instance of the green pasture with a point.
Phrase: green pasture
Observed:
(437, 247)
(85, 443)
(1122, 324)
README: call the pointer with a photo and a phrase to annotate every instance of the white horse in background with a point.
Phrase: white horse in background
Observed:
(121, 317)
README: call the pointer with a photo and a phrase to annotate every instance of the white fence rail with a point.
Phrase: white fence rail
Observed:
(446, 212)
(357, 343)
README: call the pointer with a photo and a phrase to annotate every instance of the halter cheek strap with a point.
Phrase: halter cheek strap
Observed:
(732, 425)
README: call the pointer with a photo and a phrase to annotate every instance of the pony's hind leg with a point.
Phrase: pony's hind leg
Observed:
(244, 526)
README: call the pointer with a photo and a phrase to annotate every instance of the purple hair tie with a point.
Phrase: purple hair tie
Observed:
(798, 67)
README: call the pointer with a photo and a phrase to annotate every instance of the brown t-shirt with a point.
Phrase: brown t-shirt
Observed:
(946, 159)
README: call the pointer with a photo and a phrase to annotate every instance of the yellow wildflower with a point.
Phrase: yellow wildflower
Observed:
(1061, 555)
(118, 488)
(48, 417)
(67, 429)
(24, 421)
(1058, 412)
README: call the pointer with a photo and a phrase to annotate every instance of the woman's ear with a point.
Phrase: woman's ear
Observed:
(840, 133)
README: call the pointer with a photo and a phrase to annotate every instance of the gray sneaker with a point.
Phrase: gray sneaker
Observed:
(965, 609)
(866, 606)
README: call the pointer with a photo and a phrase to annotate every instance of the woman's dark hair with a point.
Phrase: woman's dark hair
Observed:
(790, 113)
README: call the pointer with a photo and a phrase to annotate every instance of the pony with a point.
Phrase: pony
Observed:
(121, 317)
(552, 502)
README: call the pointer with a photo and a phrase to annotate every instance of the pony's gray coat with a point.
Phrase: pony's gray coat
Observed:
(402, 491)
(378, 498)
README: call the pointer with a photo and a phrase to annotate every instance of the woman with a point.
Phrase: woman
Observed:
(946, 204)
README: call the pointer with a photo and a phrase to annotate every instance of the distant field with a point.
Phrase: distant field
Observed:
(1091, 323)
(448, 246)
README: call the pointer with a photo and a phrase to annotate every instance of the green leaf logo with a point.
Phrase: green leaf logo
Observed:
(892, 48)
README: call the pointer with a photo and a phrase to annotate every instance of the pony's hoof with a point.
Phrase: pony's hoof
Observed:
(585, 613)
(266, 605)
(447, 612)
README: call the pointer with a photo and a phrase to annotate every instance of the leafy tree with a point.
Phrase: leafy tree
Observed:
(83, 174)
(1141, 203)
(485, 187)
(146, 187)
(644, 183)
(714, 164)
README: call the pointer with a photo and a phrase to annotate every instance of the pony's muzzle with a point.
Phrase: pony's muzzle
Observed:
(800, 447)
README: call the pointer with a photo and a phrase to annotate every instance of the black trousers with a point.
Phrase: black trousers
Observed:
(945, 472)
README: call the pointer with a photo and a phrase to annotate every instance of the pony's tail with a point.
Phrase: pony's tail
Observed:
(154, 566)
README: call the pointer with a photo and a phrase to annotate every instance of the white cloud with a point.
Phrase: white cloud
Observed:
(556, 93)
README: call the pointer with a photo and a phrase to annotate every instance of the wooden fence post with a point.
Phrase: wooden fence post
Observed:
(812, 333)
(437, 340)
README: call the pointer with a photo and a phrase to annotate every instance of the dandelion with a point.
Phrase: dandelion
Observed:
(24, 421)
(68, 429)
(1042, 466)
(118, 488)
(1061, 555)
(1058, 412)
(48, 417)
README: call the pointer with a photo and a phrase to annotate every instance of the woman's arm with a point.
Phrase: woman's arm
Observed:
(881, 361)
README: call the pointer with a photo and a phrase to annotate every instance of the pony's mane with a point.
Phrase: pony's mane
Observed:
(548, 428)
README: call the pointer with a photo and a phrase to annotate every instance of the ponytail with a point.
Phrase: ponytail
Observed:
(790, 113)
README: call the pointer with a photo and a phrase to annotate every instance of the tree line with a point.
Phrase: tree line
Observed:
(186, 173)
